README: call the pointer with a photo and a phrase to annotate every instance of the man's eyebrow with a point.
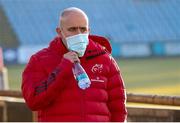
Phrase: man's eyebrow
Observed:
(77, 27)
(72, 28)
(80, 27)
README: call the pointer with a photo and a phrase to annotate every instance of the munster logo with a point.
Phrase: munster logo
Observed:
(97, 68)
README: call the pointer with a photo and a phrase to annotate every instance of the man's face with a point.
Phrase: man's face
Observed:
(73, 24)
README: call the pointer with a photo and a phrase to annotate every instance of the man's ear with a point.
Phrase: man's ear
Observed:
(58, 30)
(89, 30)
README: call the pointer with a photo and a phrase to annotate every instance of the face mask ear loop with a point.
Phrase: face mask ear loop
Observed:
(64, 37)
(62, 33)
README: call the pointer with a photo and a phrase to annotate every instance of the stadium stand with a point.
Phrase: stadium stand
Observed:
(8, 38)
(34, 21)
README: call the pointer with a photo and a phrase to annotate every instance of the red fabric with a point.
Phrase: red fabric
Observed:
(49, 86)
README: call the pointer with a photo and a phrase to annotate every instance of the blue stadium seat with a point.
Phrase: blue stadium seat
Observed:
(34, 21)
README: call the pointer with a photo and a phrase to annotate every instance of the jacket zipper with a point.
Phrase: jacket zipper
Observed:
(83, 61)
(83, 105)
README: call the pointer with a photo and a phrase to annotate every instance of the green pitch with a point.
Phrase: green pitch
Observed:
(146, 76)
(152, 76)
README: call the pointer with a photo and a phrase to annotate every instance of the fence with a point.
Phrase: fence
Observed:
(13, 108)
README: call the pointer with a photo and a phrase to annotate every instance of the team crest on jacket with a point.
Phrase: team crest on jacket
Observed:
(97, 68)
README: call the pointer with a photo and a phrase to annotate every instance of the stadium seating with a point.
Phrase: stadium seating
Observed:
(34, 21)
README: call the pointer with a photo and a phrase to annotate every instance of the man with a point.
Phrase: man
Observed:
(50, 88)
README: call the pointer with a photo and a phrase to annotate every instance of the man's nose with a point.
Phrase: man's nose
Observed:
(79, 31)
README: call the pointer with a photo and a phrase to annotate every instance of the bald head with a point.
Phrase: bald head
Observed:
(70, 13)
(72, 21)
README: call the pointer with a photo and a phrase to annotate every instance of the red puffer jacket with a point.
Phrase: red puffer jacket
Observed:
(49, 86)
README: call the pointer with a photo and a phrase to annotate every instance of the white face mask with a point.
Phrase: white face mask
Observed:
(78, 43)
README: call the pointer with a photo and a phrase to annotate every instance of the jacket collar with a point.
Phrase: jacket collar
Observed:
(57, 46)
(97, 46)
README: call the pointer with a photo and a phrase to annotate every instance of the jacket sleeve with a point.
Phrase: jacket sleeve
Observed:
(40, 89)
(116, 94)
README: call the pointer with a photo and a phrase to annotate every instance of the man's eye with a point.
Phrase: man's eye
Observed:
(83, 29)
(73, 29)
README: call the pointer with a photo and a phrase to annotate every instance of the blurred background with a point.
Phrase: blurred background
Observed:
(144, 34)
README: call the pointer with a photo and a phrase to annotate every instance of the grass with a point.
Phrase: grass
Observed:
(14, 76)
(151, 76)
